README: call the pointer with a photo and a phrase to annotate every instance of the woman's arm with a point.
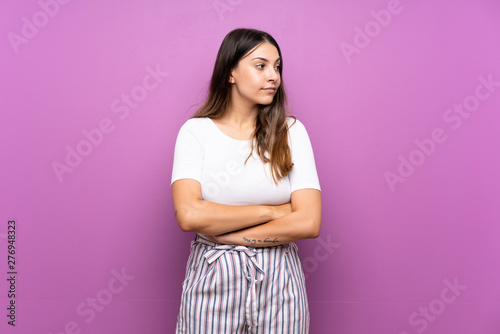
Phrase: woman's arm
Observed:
(303, 222)
(193, 214)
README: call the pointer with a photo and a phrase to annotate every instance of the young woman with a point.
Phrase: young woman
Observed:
(244, 179)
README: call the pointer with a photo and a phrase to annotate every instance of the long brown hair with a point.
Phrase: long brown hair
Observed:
(271, 129)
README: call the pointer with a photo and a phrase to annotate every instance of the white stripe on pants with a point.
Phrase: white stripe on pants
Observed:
(231, 289)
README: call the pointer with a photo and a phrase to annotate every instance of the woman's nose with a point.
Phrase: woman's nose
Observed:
(273, 75)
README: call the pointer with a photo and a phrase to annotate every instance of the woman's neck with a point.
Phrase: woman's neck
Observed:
(241, 117)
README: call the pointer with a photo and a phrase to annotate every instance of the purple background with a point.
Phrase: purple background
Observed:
(387, 253)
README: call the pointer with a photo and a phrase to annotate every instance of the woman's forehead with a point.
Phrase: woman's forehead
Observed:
(265, 51)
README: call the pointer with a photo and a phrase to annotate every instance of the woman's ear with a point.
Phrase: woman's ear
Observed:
(231, 77)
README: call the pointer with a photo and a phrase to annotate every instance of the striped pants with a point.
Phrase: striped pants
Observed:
(231, 289)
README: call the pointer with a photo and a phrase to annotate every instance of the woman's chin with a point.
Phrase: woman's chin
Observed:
(266, 102)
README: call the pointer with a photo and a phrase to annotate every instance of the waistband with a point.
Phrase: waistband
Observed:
(200, 238)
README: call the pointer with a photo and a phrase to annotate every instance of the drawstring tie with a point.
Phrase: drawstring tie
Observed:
(253, 272)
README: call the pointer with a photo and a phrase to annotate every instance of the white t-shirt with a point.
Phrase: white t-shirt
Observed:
(205, 154)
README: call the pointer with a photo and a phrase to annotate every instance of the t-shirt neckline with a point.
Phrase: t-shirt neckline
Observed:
(225, 135)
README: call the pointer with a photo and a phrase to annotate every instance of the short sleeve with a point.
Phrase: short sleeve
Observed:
(188, 153)
(303, 174)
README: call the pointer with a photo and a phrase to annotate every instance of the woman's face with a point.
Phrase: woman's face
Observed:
(256, 78)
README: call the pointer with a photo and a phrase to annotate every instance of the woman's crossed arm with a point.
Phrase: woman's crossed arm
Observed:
(253, 225)
(303, 222)
(193, 214)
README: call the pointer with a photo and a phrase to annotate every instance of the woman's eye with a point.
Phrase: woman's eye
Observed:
(261, 66)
